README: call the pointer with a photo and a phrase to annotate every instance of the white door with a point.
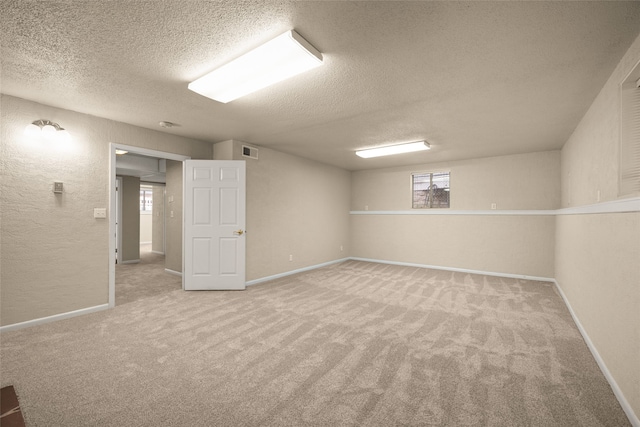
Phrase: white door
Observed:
(214, 225)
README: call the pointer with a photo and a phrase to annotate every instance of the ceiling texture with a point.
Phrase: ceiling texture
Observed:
(474, 79)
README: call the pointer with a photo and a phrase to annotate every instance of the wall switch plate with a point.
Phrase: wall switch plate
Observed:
(57, 187)
(100, 213)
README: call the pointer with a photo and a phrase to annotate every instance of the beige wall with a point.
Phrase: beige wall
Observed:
(505, 244)
(146, 228)
(294, 207)
(524, 181)
(598, 256)
(53, 253)
(130, 219)
(173, 217)
(515, 245)
(157, 240)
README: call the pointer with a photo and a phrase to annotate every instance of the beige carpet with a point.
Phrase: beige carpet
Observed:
(352, 344)
(144, 279)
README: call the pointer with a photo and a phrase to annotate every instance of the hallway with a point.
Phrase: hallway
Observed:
(145, 279)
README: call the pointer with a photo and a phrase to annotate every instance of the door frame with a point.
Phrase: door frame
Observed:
(118, 214)
(112, 203)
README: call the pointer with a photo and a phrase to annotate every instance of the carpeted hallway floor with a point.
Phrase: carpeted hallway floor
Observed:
(351, 344)
(144, 279)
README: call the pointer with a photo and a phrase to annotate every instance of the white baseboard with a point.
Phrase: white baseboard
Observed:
(157, 252)
(130, 261)
(289, 273)
(460, 270)
(626, 407)
(53, 318)
(175, 273)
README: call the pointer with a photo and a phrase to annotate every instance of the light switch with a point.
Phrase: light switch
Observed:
(100, 213)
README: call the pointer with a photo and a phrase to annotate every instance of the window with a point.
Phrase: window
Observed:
(629, 180)
(146, 199)
(430, 190)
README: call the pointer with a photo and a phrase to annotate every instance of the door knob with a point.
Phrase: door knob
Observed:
(239, 232)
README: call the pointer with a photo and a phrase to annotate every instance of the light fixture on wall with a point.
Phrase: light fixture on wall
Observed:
(285, 56)
(394, 149)
(48, 130)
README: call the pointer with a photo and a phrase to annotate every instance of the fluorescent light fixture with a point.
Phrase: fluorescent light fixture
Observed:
(394, 149)
(285, 56)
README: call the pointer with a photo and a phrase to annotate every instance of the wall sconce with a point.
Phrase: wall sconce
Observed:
(48, 130)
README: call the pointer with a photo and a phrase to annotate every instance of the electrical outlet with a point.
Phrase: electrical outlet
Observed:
(366, 207)
(494, 206)
(341, 248)
(100, 213)
(290, 257)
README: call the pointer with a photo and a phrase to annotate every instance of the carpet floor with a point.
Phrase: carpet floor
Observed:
(144, 279)
(350, 344)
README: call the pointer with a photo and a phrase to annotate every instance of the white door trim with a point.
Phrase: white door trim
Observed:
(112, 203)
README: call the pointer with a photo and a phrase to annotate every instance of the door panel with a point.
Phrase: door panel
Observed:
(214, 225)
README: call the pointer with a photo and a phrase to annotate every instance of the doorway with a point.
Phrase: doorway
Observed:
(115, 240)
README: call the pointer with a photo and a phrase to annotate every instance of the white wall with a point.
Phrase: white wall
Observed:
(53, 253)
(598, 255)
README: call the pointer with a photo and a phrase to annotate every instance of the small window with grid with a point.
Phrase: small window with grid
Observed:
(430, 190)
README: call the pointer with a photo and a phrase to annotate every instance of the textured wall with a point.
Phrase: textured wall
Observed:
(53, 253)
(173, 217)
(130, 219)
(598, 256)
(294, 207)
(157, 242)
(520, 245)
(525, 181)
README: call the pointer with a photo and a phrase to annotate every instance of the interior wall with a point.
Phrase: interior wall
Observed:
(295, 207)
(173, 217)
(53, 252)
(598, 255)
(505, 244)
(522, 181)
(130, 219)
(146, 228)
(157, 228)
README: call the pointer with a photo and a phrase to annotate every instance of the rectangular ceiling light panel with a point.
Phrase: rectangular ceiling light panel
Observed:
(285, 56)
(394, 149)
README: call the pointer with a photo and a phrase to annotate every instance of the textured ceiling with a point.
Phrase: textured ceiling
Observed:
(475, 79)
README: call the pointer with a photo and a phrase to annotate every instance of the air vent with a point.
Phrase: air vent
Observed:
(250, 152)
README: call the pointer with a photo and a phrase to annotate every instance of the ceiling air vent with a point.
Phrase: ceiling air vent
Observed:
(250, 152)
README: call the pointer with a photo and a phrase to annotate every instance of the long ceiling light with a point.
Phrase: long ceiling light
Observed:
(394, 149)
(285, 56)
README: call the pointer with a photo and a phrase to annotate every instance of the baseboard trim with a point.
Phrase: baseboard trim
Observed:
(289, 273)
(157, 252)
(55, 317)
(131, 261)
(459, 270)
(175, 273)
(626, 407)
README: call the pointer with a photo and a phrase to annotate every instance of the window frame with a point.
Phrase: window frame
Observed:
(430, 172)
